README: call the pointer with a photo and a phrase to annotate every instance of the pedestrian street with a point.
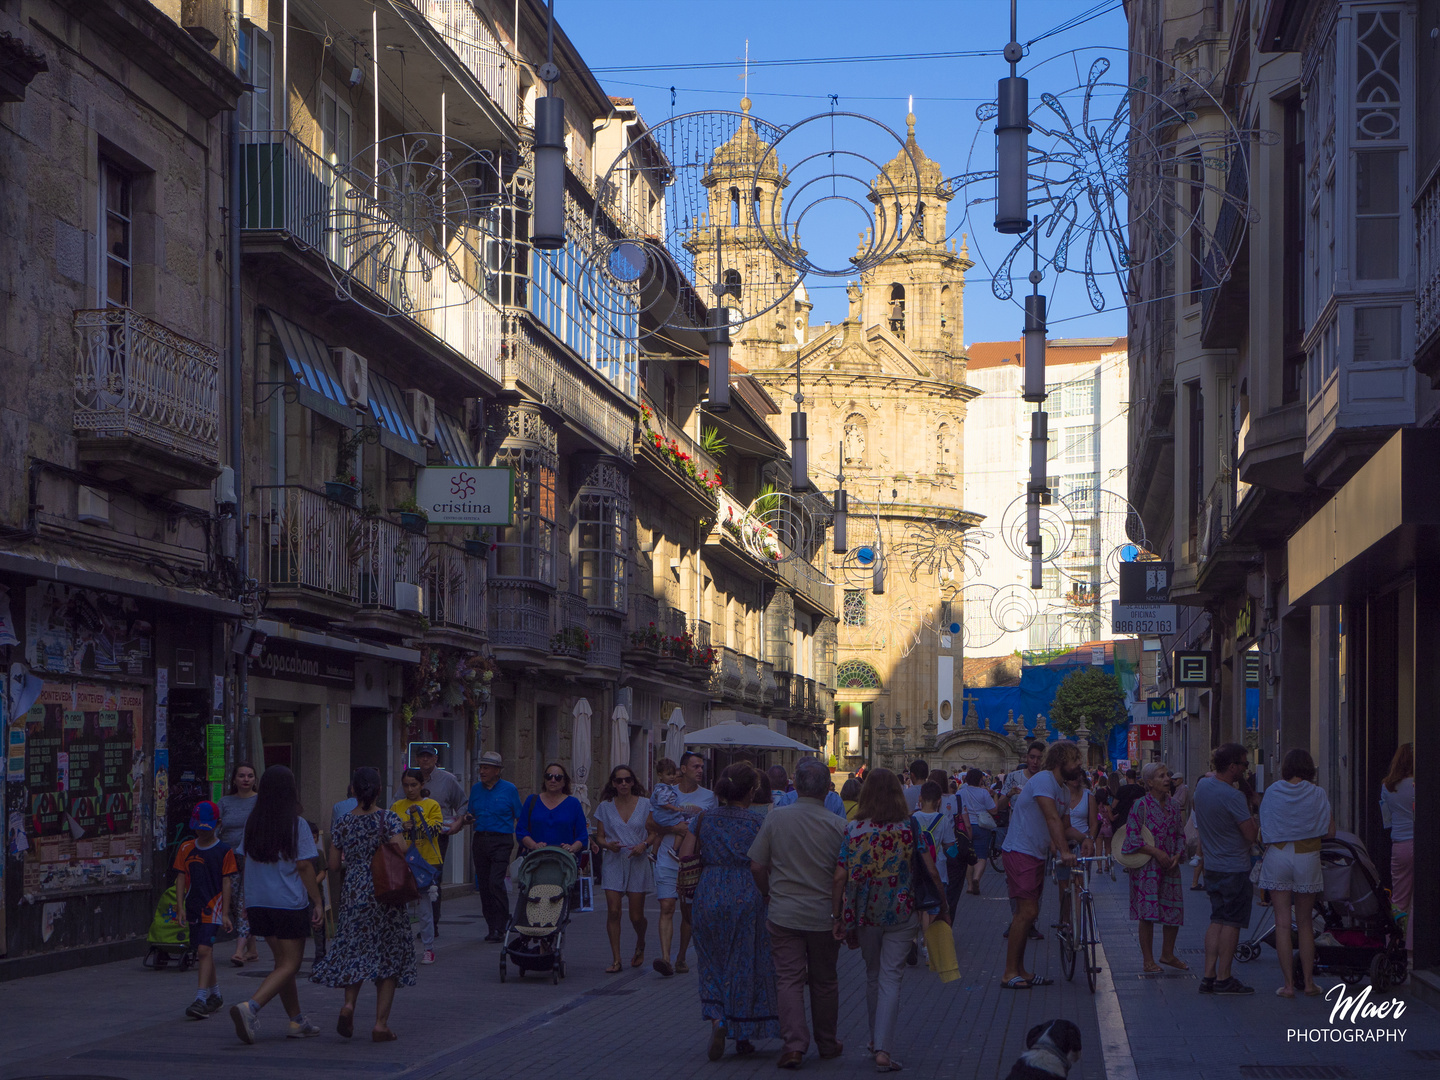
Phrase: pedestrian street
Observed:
(461, 1022)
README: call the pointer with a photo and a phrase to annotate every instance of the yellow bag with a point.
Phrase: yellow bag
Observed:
(940, 943)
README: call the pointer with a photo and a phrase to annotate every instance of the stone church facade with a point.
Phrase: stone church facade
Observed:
(886, 397)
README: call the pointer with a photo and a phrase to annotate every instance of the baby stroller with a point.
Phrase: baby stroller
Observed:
(1357, 935)
(169, 937)
(535, 936)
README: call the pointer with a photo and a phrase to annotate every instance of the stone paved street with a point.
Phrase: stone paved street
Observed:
(122, 1021)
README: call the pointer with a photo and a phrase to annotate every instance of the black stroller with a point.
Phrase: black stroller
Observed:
(535, 936)
(1357, 934)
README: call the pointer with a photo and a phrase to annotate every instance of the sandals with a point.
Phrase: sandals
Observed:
(1019, 982)
(613, 969)
(1176, 963)
(681, 968)
(237, 961)
(890, 1066)
(663, 967)
(346, 1025)
(716, 1049)
(638, 960)
(383, 1036)
(1285, 991)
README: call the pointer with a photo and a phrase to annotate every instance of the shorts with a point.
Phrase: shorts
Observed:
(280, 923)
(624, 873)
(1230, 896)
(1287, 870)
(982, 838)
(665, 881)
(202, 934)
(1024, 874)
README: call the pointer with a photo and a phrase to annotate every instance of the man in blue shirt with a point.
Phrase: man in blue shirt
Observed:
(780, 780)
(494, 810)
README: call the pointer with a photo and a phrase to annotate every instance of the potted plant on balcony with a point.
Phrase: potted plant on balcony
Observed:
(481, 545)
(343, 488)
(412, 518)
(570, 641)
(646, 641)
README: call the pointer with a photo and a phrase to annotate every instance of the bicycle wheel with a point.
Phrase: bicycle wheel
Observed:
(1087, 939)
(996, 862)
(1067, 951)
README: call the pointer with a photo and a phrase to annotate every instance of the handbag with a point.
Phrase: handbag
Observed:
(688, 875)
(394, 883)
(940, 944)
(426, 873)
(922, 887)
(985, 820)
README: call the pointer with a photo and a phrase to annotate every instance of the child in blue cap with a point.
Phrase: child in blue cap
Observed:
(207, 867)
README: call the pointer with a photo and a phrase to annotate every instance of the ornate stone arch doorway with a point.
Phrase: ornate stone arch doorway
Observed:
(970, 748)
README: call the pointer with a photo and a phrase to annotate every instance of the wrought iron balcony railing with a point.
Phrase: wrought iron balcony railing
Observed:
(520, 616)
(135, 378)
(455, 589)
(477, 48)
(292, 190)
(308, 541)
(1427, 233)
(528, 362)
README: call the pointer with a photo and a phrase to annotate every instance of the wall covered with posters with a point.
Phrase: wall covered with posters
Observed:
(79, 723)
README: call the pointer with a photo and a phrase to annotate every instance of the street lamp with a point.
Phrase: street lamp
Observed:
(718, 338)
(548, 205)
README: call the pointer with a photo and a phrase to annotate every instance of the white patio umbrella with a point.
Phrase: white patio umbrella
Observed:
(747, 736)
(620, 736)
(675, 735)
(580, 753)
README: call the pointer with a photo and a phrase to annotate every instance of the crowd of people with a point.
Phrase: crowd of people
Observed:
(771, 875)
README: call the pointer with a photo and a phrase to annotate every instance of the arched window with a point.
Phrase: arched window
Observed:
(734, 207)
(942, 449)
(897, 308)
(944, 305)
(920, 222)
(755, 207)
(856, 675)
(732, 284)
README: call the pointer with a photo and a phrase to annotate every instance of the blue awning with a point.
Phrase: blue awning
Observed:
(317, 385)
(453, 442)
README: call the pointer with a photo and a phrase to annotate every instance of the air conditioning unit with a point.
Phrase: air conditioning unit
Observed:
(409, 597)
(422, 412)
(354, 376)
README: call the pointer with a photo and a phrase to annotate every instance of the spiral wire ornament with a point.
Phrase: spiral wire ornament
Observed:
(417, 234)
(1097, 171)
(1056, 529)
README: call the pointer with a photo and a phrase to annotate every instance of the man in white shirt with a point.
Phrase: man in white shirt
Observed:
(1015, 780)
(667, 862)
(1039, 825)
(919, 773)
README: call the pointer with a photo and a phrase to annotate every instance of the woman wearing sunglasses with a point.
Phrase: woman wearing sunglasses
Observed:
(620, 830)
(554, 817)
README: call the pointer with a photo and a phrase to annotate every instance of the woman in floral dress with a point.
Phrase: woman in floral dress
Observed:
(732, 946)
(874, 902)
(372, 941)
(1155, 891)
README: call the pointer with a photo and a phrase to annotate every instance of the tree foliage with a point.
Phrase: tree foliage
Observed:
(1089, 695)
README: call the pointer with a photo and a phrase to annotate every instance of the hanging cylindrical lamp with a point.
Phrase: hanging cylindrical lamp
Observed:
(1034, 335)
(877, 576)
(842, 515)
(799, 453)
(548, 213)
(1012, 152)
(1039, 451)
(718, 337)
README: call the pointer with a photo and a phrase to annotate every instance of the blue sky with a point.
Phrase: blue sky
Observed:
(618, 36)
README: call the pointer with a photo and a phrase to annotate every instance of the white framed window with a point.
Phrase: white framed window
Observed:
(256, 62)
(337, 125)
(116, 229)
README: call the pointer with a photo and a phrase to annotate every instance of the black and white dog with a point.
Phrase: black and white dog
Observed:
(1054, 1047)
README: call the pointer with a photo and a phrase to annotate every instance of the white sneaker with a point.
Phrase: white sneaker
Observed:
(302, 1029)
(246, 1022)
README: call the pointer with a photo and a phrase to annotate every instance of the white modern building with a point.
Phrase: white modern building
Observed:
(1088, 520)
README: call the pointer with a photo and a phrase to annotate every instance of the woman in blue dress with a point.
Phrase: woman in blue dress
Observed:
(732, 946)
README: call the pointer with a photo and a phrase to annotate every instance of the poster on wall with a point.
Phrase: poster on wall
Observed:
(85, 632)
(81, 745)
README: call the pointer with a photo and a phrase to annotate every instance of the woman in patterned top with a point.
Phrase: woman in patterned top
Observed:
(372, 941)
(1155, 892)
(874, 904)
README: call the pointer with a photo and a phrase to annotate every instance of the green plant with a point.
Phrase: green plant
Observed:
(572, 640)
(408, 505)
(1090, 696)
(351, 439)
(713, 443)
(767, 501)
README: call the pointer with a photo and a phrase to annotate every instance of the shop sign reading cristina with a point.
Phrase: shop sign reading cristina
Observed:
(465, 496)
